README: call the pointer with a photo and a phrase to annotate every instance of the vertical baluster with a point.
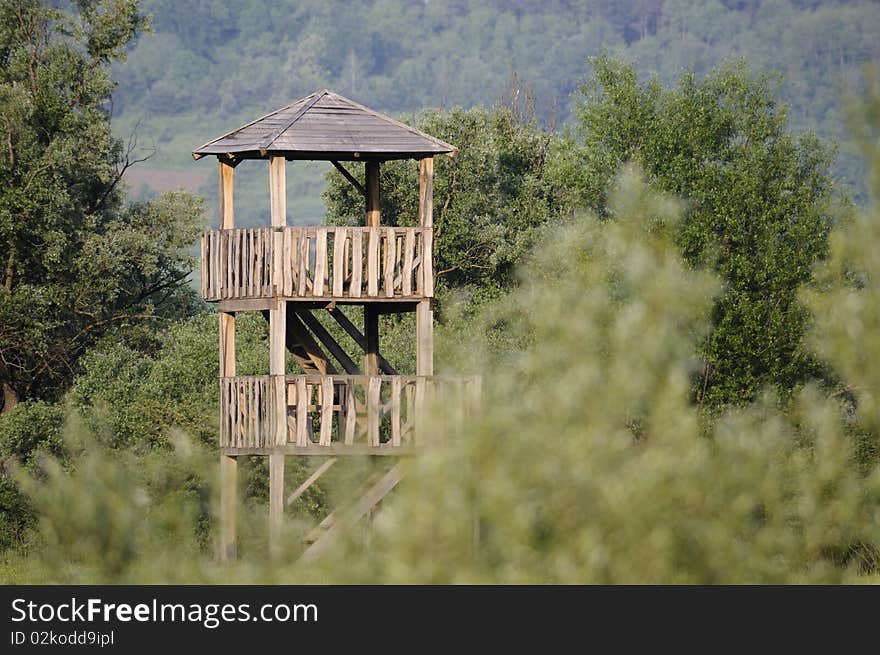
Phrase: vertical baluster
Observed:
(373, 263)
(374, 391)
(346, 262)
(218, 291)
(326, 410)
(293, 262)
(357, 263)
(248, 260)
(302, 411)
(320, 261)
(303, 262)
(406, 274)
(410, 390)
(339, 239)
(350, 405)
(390, 258)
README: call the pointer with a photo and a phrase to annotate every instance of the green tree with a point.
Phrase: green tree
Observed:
(490, 200)
(759, 206)
(76, 261)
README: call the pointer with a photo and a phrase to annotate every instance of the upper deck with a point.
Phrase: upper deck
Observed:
(342, 264)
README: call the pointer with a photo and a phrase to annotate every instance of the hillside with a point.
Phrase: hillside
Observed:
(216, 65)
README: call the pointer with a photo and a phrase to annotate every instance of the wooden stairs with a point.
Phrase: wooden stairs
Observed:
(367, 497)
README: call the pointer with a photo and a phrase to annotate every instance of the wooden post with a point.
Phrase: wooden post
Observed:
(228, 548)
(424, 312)
(277, 347)
(372, 179)
(228, 507)
(371, 314)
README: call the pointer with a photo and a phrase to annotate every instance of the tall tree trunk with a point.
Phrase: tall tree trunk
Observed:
(10, 398)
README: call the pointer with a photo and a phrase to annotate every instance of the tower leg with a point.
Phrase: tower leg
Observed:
(228, 546)
(276, 504)
(424, 338)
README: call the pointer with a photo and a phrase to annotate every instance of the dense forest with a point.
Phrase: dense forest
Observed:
(642, 245)
(217, 65)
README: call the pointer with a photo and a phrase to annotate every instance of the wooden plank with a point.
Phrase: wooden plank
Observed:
(329, 342)
(339, 238)
(245, 305)
(396, 392)
(227, 345)
(406, 274)
(326, 411)
(373, 264)
(390, 258)
(302, 411)
(357, 263)
(320, 262)
(313, 449)
(312, 479)
(293, 264)
(374, 389)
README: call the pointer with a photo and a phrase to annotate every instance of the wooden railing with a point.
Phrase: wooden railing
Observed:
(333, 263)
(383, 411)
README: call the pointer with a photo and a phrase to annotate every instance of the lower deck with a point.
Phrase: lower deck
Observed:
(339, 414)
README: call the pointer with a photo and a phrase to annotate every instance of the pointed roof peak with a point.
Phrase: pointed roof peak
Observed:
(326, 125)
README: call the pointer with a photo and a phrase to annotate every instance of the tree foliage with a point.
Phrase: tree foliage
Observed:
(490, 200)
(76, 261)
(759, 206)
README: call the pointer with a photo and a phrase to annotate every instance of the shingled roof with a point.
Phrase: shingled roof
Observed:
(325, 125)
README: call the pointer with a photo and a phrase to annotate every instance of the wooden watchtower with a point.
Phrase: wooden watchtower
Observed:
(342, 404)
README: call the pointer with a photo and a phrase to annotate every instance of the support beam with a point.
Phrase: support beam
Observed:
(346, 324)
(424, 311)
(299, 335)
(228, 546)
(278, 315)
(371, 334)
(361, 508)
(276, 503)
(329, 342)
(312, 479)
(351, 178)
(371, 315)
(277, 347)
(227, 195)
